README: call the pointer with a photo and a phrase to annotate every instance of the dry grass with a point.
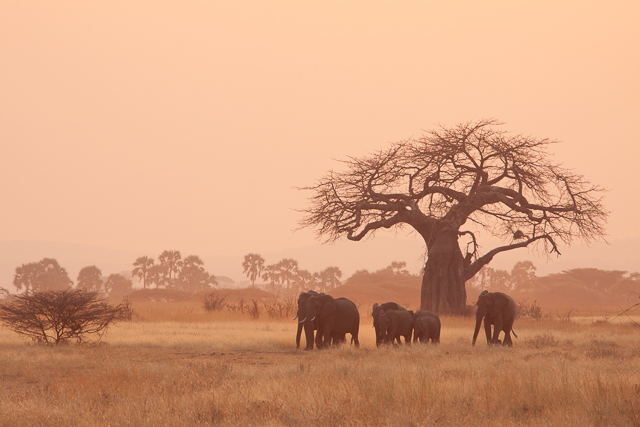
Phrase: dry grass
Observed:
(177, 365)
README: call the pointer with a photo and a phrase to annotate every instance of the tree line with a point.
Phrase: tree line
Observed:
(578, 285)
(287, 274)
(171, 271)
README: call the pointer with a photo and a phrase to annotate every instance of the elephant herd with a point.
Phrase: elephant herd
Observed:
(327, 321)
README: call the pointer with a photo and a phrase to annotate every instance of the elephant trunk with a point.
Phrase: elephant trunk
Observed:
(475, 332)
(298, 334)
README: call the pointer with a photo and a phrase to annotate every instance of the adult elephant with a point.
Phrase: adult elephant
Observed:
(426, 326)
(335, 318)
(499, 310)
(395, 324)
(377, 311)
(301, 315)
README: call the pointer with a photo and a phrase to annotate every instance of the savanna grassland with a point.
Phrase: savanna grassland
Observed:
(176, 365)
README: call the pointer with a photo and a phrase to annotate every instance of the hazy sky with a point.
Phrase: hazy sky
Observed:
(151, 125)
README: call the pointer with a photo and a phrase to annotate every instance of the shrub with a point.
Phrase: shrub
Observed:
(53, 317)
(281, 310)
(214, 302)
(532, 310)
(254, 309)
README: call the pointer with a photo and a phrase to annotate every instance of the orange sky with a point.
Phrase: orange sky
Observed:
(152, 125)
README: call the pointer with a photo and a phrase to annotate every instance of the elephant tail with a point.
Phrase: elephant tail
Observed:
(514, 333)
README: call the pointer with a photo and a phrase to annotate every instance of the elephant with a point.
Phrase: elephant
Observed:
(499, 310)
(335, 318)
(426, 326)
(377, 311)
(302, 316)
(395, 324)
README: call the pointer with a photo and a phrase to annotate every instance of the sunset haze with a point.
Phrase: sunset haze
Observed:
(141, 126)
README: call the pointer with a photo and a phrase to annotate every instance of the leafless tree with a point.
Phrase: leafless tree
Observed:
(471, 173)
(53, 317)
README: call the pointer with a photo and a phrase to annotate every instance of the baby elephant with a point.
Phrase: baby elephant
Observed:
(395, 324)
(426, 326)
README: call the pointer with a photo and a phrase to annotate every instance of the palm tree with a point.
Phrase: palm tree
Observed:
(288, 270)
(141, 270)
(330, 278)
(156, 274)
(171, 260)
(25, 276)
(252, 266)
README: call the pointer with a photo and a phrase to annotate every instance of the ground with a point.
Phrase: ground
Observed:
(177, 365)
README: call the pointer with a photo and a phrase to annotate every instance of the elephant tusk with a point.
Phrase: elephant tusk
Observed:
(302, 321)
(295, 317)
(312, 319)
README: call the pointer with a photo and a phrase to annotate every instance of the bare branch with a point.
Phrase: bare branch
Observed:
(473, 268)
(475, 172)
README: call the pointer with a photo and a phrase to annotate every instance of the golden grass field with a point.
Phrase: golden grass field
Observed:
(176, 365)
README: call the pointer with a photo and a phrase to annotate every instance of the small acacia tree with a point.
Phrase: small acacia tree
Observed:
(471, 173)
(53, 317)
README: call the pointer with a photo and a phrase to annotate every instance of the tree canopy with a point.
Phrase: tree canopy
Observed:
(473, 173)
(44, 275)
(89, 279)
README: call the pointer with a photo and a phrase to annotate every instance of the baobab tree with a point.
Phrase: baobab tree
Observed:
(473, 173)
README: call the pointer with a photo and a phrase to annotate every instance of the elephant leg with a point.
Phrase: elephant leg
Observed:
(308, 333)
(319, 334)
(487, 331)
(298, 334)
(507, 338)
(497, 328)
(327, 329)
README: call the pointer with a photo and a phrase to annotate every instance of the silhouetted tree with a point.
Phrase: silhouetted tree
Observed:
(523, 276)
(273, 276)
(171, 261)
(288, 271)
(304, 280)
(44, 275)
(193, 277)
(53, 317)
(252, 266)
(330, 278)
(117, 285)
(142, 268)
(473, 172)
(500, 280)
(89, 279)
(156, 275)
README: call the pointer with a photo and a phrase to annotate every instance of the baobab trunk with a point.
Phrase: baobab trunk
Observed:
(443, 284)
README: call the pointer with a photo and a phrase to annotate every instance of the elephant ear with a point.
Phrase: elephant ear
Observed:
(500, 300)
(329, 306)
(482, 296)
